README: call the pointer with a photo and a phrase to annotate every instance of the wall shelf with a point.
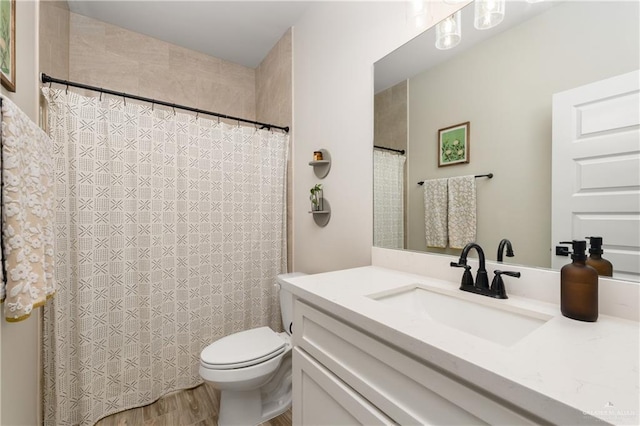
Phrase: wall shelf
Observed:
(321, 167)
(322, 217)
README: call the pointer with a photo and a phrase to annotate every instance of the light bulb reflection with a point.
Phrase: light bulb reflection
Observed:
(449, 32)
(488, 13)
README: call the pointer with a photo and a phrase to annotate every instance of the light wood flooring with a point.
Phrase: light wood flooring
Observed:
(191, 407)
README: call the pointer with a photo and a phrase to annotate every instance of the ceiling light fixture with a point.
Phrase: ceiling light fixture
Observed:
(488, 13)
(449, 31)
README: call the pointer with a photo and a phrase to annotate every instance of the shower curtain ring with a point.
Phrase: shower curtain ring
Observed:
(66, 91)
(174, 111)
(197, 113)
(101, 92)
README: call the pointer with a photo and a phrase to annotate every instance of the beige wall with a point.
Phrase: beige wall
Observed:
(390, 117)
(504, 88)
(274, 105)
(104, 55)
(54, 39)
(273, 84)
(334, 49)
(19, 347)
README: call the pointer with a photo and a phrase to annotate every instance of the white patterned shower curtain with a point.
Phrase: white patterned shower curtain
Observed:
(388, 199)
(169, 232)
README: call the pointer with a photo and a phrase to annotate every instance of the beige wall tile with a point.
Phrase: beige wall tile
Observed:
(107, 56)
(390, 112)
(273, 84)
(274, 97)
(54, 39)
(185, 61)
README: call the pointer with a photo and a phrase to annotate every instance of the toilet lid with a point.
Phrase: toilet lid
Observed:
(243, 349)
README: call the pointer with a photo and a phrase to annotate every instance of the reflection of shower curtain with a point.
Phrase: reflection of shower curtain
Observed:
(388, 205)
(169, 235)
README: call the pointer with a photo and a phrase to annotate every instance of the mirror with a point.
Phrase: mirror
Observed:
(501, 81)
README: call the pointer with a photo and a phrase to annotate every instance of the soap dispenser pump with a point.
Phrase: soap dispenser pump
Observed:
(579, 285)
(595, 259)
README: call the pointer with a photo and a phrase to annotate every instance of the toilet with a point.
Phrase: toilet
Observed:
(252, 369)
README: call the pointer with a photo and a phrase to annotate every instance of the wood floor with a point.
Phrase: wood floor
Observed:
(191, 407)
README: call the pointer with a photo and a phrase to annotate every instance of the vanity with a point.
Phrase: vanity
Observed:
(399, 343)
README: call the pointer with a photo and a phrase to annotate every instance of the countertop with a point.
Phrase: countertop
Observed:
(566, 371)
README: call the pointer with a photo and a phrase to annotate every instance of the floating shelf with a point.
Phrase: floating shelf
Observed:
(321, 167)
(322, 217)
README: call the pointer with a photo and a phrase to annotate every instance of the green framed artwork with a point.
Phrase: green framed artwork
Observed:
(8, 44)
(453, 145)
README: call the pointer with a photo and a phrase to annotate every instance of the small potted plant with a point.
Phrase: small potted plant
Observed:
(316, 198)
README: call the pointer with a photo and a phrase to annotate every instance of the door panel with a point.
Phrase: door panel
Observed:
(596, 170)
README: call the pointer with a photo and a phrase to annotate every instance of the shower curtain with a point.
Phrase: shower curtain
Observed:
(388, 199)
(169, 232)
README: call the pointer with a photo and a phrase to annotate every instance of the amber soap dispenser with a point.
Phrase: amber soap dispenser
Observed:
(579, 285)
(595, 259)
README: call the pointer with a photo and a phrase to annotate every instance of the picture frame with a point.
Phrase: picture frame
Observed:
(453, 144)
(8, 44)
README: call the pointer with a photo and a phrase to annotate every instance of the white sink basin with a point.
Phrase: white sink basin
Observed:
(486, 319)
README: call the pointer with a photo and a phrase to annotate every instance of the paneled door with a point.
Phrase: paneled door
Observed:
(596, 170)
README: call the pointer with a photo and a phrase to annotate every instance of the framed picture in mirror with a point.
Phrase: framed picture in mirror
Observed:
(453, 144)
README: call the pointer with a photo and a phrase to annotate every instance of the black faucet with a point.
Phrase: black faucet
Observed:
(504, 242)
(482, 282)
(481, 285)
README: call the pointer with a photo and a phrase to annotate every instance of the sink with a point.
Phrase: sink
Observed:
(488, 319)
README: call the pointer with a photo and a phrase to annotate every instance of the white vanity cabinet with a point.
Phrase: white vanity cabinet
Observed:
(343, 375)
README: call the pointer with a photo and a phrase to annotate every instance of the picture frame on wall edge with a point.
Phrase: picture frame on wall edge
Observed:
(8, 44)
(453, 144)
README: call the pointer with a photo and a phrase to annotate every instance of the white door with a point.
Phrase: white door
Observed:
(596, 170)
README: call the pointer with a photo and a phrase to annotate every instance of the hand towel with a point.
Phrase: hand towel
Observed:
(27, 213)
(435, 212)
(462, 211)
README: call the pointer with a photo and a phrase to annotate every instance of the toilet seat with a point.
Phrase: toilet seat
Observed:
(243, 349)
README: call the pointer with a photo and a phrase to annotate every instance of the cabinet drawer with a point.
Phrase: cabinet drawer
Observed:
(406, 390)
(320, 398)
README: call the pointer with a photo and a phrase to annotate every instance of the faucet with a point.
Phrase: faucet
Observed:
(482, 282)
(481, 285)
(504, 242)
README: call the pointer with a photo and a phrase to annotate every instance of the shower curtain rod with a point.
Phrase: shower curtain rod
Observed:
(47, 79)
(400, 151)
(488, 175)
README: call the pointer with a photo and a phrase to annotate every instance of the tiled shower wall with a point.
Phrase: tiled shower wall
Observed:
(54, 39)
(107, 56)
(390, 117)
(274, 105)
(89, 51)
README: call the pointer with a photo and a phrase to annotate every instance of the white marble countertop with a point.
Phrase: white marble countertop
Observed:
(566, 371)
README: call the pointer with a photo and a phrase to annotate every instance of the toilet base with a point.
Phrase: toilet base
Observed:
(240, 408)
(257, 406)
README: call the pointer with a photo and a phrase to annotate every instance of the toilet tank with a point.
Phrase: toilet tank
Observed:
(286, 301)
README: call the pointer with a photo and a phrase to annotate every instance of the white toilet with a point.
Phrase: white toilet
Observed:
(252, 369)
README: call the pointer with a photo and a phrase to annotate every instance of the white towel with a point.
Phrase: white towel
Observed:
(27, 213)
(462, 211)
(435, 212)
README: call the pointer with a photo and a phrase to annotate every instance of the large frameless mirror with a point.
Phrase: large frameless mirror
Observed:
(500, 81)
